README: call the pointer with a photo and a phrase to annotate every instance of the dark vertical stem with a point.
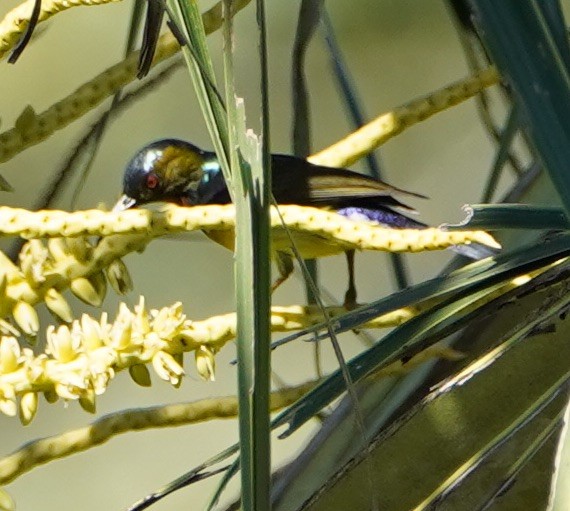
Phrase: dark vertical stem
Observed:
(309, 17)
(354, 106)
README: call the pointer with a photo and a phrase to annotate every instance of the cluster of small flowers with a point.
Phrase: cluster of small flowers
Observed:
(81, 358)
(45, 269)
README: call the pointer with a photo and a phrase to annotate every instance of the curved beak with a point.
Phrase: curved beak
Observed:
(125, 202)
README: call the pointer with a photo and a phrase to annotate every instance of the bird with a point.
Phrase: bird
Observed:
(176, 171)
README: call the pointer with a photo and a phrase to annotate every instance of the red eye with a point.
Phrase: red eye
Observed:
(151, 181)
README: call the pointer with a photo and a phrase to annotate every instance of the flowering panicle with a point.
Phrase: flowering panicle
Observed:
(46, 269)
(81, 358)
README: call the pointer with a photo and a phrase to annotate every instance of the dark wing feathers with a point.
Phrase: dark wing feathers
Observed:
(296, 181)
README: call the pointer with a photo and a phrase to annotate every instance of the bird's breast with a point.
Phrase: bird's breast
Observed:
(310, 246)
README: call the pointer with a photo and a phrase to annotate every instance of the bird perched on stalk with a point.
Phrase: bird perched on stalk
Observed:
(176, 171)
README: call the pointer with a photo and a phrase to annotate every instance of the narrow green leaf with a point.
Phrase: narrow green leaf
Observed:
(232, 470)
(251, 167)
(514, 216)
(502, 156)
(196, 474)
(521, 44)
(308, 20)
(417, 333)
(469, 277)
(186, 15)
(554, 16)
(526, 457)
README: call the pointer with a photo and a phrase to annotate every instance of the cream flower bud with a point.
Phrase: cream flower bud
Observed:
(121, 333)
(179, 357)
(9, 354)
(26, 317)
(141, 322)
(91, 333)
(66, 391)
(58, 248)
(119, 277)
(56, 303)
(8, 329)
(33, 257)
(84, 289)
(168, 321)
(6, 502)
(61, 344)
(124, 313)
(87, 401)
(101, 380)
(28, 407)
(205, 363)
(166, 367)
(8, 400)
(7, 264)
(72, 386)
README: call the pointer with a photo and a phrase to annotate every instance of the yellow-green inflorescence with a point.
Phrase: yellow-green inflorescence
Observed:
(45, 270)
(81, 358)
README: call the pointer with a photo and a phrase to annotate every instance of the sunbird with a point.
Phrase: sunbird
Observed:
(178, 172)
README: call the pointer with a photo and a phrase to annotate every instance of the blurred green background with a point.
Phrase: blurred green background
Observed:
(397, 50)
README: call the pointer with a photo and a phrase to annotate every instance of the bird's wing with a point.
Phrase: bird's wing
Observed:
(296, 181)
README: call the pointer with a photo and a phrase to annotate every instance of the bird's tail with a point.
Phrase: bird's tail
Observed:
(396, 220)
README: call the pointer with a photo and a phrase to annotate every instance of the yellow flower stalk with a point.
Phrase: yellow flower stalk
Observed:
(44, 450)
(388, 125)
(32, 127)
(16, 21)
(45, 271)
(82, 358)
(171, 219)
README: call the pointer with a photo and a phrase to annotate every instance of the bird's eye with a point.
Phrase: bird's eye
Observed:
(152, 181)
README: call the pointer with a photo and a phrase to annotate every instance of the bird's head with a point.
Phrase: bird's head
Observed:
(167, 170)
